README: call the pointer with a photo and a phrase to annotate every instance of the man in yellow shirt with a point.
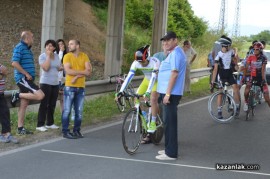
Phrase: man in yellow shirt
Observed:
(77, 66)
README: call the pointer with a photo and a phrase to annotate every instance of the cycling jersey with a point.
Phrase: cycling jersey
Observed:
(256, 63)
(149, 71)
(226, 66)
(225, 59)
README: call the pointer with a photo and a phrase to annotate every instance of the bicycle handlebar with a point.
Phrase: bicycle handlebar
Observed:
(136, 96)
(114, 76)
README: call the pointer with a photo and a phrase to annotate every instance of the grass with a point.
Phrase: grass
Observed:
(102, 108)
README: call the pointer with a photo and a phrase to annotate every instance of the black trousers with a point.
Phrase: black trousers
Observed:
(4, 115)
(47, 104)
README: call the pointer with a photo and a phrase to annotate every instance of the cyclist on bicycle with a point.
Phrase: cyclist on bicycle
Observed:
(255, 67)
(225, 65)
(149, 66)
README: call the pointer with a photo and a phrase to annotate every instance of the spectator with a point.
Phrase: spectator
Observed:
(61, 50)
(210, 60)
(77, 66)
(264, 44)
(24, 73)
(4, 112)
(191, 55)
(217, 46)
(161, 55)
(50, 65)
(171, 80)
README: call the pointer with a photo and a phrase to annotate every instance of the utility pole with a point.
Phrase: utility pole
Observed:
(222, 17)
(236, 26)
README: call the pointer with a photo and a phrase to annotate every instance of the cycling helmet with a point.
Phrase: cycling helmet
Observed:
(142, 53)
(225, 41)
(258, 45)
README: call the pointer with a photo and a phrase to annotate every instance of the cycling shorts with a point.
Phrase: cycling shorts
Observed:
(144, 85)
(227, 76)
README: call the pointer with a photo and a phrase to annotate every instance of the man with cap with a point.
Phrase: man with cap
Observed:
(171, 79)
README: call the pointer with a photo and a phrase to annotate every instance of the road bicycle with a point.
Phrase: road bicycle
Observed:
(123, 102)
(254, 98)
(224, 100)
(135, 125)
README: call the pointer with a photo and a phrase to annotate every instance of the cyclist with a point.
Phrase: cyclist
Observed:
(225, 65)
(149, 66)
(255, 67)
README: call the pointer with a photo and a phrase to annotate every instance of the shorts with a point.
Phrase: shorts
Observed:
(27, 86)
(227, 76)
(144, 85)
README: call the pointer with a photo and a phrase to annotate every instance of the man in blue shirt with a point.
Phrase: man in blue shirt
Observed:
(24, 74)
(171, 80)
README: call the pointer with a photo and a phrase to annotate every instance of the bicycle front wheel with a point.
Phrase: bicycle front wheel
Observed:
(131, 131)
(222, 107)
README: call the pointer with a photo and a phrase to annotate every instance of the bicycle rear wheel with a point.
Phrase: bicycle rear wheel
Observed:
(129, 100)
(120, 107)
(227, 109)
(132, 131)
(158, 134)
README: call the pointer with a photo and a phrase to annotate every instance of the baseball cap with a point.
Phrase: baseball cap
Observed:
(169, 35)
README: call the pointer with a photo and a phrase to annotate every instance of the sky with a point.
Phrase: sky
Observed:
(254, 14)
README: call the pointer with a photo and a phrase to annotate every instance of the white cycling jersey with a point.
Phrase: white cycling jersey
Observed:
(149, 71)
(226, 58)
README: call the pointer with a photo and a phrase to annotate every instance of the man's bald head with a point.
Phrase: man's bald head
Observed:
(27, 37)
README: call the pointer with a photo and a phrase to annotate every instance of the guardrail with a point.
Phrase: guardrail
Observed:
(103, 86)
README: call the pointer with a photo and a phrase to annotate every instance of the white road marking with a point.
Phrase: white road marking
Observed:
(152, 162)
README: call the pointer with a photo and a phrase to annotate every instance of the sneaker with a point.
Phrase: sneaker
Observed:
(245, 107)
(12, 139)
(14, 98)
(161, 152)
(220, 115)
(4, 139)
(77, 134)
(152, 127)
(23, 131)
(69, 135)
(164, 157)
(52, 127)
(41, 129)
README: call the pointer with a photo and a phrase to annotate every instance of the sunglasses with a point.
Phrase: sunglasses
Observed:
(257, 49)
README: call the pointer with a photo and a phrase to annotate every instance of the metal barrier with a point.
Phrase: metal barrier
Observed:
(103, 86)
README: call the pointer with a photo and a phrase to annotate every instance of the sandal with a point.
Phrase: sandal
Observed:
(146, 140)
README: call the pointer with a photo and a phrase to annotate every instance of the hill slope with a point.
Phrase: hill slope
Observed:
(19, 15)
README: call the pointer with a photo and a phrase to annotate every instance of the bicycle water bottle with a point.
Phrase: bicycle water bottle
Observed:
(145, 116)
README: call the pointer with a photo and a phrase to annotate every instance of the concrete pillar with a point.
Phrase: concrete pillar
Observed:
(159, 24)
(114, 39)
(52, 20)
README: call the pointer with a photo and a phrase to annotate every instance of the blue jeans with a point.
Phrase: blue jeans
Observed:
(72, 96)
(170, 124)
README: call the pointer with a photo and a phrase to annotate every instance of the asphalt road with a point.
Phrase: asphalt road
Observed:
(203, 144)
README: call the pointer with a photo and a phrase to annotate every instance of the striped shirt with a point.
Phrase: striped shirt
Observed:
(24, 56)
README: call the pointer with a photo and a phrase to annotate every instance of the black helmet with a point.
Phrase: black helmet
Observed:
(225, 41)
(142, 53)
